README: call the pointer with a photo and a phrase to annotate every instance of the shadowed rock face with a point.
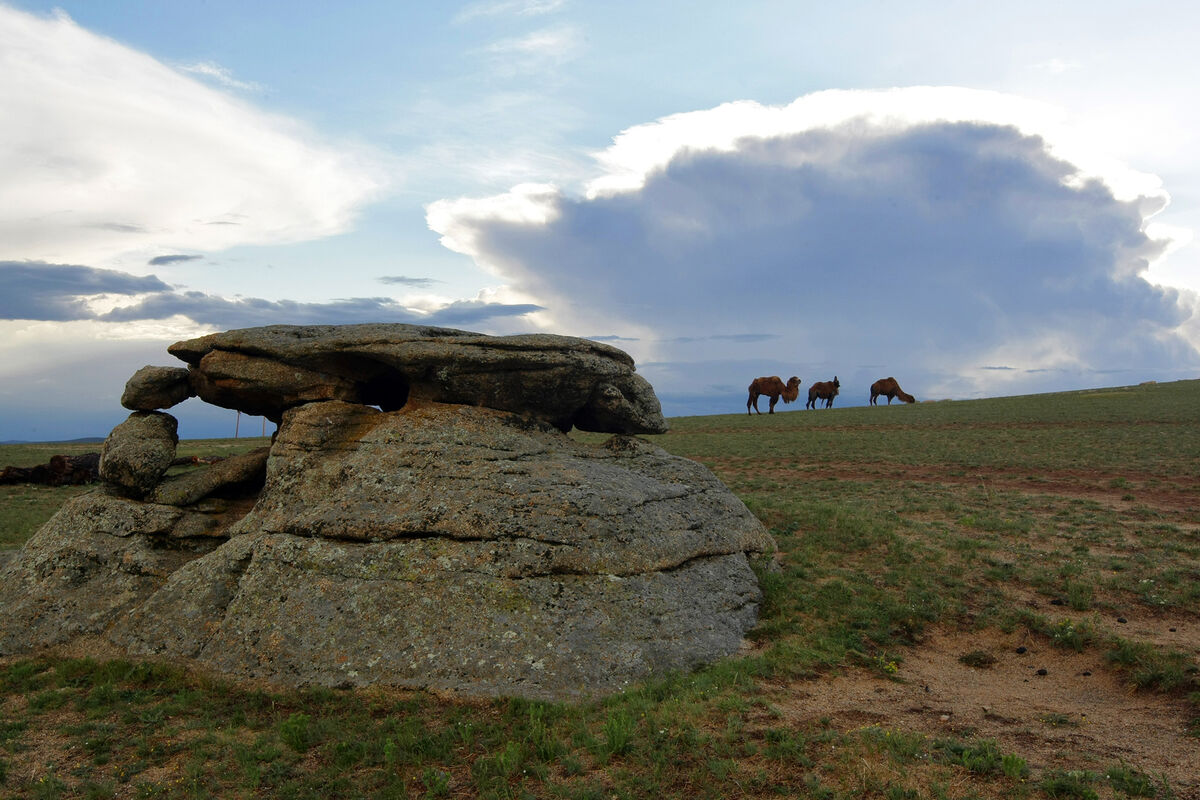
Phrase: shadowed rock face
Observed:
(390, 536)
(562, 380)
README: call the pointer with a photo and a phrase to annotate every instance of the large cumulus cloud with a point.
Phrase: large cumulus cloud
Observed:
(937, 250)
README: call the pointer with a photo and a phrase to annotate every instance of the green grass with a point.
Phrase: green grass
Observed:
(890, 522)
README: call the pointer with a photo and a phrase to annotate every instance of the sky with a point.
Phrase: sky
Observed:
(978, 200)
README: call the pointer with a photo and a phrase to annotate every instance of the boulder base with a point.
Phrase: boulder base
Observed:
(485, 556)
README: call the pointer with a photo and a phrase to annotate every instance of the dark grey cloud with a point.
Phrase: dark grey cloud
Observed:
(930, 249)
(159, 261)
(36, 290)
(404, 280)
(474, 312)
(249, 312)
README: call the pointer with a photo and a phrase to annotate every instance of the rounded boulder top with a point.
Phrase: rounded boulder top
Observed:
(563, 380)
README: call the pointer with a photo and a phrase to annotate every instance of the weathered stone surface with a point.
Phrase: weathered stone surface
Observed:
(484, 555)
(139, 451)
(419, 520)
(345, 471)
(93, 561)
(562, 380)
(233, 473)
(300, 611)
(152, 388)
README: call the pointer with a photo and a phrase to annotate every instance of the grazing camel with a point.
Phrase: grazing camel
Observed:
(889, 388)
(773, 388)
(824, 390)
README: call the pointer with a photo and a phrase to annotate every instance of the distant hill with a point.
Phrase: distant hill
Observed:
(80, 440)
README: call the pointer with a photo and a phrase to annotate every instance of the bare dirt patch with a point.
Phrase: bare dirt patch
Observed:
(1120, 490)
(1057, 708)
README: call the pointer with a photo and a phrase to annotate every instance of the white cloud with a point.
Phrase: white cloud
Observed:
(106, 151)
(455, 220)
(519, 8)
(642, 149)
(536, 51)
(220, 74)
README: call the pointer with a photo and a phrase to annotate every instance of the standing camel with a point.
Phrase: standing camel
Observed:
(889, 388)
(824, 390)
(773, 388)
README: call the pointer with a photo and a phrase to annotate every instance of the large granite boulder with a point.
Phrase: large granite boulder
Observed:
(486, 555)
(562, 380)
(401, 539)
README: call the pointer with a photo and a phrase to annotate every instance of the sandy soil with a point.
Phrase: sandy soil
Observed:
(1077, 715)
(1057, 708)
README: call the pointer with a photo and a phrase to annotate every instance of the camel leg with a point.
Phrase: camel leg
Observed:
(753, 399)
(774, 400)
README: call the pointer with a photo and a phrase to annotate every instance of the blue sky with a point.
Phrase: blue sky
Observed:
(979, 201)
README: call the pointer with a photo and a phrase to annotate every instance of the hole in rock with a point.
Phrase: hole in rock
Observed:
(387, 389)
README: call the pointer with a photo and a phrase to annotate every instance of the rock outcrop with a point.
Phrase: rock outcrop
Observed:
(560, 379)
(420, 519)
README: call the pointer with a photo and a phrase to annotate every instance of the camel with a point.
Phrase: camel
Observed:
(824, 390)
(773, 388)
(889, 388)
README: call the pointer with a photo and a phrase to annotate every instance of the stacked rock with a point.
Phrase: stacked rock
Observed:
(420, 519)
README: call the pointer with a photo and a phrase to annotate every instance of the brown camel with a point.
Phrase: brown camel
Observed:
(773, 388)
(824, 390)
(889, 388)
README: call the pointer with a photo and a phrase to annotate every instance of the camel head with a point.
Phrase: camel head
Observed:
(792, 390)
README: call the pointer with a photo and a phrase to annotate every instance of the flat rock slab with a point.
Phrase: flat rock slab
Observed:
(562, 380)
(484, 556)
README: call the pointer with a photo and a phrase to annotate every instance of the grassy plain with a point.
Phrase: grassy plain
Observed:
(992, 598)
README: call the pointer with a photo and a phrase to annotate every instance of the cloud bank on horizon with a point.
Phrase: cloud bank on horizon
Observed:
(930, 233)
